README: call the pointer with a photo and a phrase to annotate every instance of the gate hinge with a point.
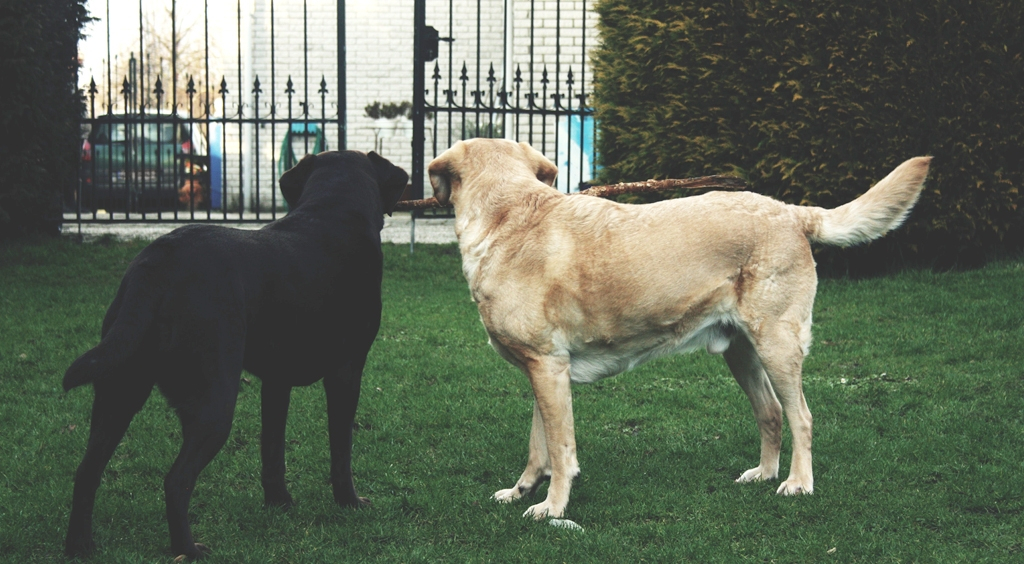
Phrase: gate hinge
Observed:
(431, 43)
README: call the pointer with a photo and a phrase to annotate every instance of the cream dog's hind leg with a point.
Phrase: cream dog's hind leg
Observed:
(782, 355)
(747, 369)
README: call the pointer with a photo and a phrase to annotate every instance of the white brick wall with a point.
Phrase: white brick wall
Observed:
(379, 52)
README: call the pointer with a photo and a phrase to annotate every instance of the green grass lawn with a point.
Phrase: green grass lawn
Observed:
(916, 383)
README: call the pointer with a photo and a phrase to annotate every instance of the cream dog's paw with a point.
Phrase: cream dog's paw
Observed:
(508, 496)
(757, 475)
(544, 510)
(794, 486)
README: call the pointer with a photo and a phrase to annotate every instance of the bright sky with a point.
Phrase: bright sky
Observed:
(124, 28)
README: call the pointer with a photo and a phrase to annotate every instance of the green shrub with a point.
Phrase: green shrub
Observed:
(812, 101)
(40, 111)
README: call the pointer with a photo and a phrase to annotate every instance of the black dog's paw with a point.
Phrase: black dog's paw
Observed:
(284, 502)
(198, 552)
(353, 501)
(76, 547)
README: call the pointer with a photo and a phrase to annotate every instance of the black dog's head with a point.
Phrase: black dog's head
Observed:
(339, 167)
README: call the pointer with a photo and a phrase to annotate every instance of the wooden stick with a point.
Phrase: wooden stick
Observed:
(426, 203)
(645, 187)
(648, 186)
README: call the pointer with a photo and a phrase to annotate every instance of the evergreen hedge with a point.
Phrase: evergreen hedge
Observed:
(40, 111)
(812, 101)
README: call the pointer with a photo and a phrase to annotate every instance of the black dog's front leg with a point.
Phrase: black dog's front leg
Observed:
(274, 407)
(342, 397)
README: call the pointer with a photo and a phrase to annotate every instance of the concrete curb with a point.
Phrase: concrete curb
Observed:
(397, 229)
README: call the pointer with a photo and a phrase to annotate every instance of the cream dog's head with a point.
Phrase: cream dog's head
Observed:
(500, 157)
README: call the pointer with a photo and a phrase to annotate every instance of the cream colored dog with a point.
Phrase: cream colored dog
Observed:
(575, 289)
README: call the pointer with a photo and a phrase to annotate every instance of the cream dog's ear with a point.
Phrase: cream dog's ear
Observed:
(545, 170)
(443, 171)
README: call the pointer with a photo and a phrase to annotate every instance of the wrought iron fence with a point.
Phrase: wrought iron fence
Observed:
(173, 138)
(202, 149)
(522, 75)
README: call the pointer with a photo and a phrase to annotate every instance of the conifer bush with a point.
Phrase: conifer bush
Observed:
(40, 111)
(812, 101)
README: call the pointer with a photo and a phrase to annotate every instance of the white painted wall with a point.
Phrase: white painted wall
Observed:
(379, 52)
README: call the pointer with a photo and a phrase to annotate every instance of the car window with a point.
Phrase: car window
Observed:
(103, 130)
(117, 131)
(159, 131)
(150, 132)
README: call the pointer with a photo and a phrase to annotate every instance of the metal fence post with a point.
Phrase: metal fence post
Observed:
(418, 93)
(342, 87)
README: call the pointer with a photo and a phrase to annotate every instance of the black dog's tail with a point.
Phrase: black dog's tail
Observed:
(127, 322)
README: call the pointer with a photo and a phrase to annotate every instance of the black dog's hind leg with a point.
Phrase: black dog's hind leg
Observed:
(342, 397)
(274, 408)
(205, 427)
(115, 403)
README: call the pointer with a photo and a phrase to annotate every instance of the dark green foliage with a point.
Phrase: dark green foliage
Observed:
(812, 101)
(40, 111)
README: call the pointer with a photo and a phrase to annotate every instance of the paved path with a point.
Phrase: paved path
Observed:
(397, 230)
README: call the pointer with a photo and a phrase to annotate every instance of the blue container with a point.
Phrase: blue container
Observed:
(216, 166)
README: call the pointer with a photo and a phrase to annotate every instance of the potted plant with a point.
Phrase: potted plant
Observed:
(388, 115)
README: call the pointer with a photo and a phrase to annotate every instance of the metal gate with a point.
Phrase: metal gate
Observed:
(200, 127)
(209, 105)
(515, 69)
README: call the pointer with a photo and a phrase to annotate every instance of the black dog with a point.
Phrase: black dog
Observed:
(294, 302)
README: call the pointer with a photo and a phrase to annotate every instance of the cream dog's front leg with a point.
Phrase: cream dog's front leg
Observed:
(551, 389)
(552, 440)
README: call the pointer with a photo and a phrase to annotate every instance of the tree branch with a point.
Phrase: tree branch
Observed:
(651, 186)
(644, 187)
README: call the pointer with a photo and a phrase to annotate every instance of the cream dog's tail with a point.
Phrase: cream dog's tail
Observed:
(880, 210)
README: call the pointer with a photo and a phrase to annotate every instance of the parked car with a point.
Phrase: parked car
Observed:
(145, 163)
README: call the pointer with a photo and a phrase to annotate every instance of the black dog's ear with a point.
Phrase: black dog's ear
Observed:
(391, 181)
(294, 180)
